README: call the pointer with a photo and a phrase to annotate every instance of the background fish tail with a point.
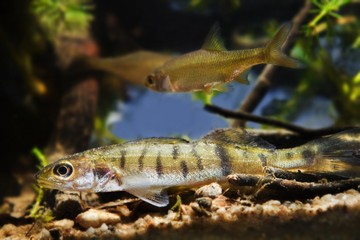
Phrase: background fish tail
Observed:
(336, 154)
(273, 51)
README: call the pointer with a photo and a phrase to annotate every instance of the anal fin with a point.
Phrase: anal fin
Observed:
(243, 77)
(210, 87)
(221, 88)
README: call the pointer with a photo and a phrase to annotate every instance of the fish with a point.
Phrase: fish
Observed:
(132, 67)
(148, 168)
(213, 66)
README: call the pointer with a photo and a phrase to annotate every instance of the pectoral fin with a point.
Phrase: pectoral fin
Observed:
(165, 85)
(155, 196)
(140, 186)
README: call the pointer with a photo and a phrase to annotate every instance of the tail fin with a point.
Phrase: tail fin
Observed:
(338, 154)
(273, 49)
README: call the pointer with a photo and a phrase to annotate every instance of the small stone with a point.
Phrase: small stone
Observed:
(8, 230)
(61, 224)
(204, 202)
(200, 210)
(220, 202)
(104, 227)
(212, 190)
(44, 234)
(95, 218)
(123, 210)
(90, 231)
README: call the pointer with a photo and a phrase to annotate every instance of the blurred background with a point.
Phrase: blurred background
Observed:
(72, 72)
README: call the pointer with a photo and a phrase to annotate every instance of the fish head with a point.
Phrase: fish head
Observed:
(159, 81)
(73, 173)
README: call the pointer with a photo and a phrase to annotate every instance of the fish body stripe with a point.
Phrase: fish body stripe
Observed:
(308, 155)
(199, 163)
(263, 159)
(225, 163)
(141, 159)
(175, 151)
(289, 155)
(159, 167)
(184, 168)
(356, 154)
(123, 158)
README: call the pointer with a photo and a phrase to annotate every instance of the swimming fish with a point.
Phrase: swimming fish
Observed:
(147, 168)
(212, 66)
(132, 67)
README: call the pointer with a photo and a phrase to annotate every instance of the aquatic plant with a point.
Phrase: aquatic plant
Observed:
(57, 17)
(38, 211)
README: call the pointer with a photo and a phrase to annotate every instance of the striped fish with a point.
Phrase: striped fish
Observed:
(147, 168)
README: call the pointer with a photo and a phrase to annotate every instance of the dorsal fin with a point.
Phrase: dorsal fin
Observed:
(236, 137)
(213, 40)
(158, 140)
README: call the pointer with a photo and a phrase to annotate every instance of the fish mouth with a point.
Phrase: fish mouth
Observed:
(37, 175)
(44, 183)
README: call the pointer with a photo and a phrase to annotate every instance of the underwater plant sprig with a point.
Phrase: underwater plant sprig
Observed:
(57, 16)
(325, 8)
(37, 211)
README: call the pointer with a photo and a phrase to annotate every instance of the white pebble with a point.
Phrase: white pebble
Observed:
(95, 218)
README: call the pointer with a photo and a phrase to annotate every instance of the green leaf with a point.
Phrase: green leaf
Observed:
(203, 97)
(40, 157)
(37, 211)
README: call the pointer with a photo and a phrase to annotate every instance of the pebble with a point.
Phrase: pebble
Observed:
(204, 202)
(44, 234)
(95, 218)
(212, 190)
(61, 224)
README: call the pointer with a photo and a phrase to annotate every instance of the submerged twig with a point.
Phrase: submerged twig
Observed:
(263, 82)
(294, 184)
(240, 115)
(118, 202)
(301, 176)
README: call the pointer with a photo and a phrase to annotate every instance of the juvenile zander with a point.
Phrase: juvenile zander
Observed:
(146, 168)
(212, 66)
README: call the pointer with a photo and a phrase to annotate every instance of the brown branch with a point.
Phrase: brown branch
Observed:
(75, 120)
(285, 188)
(300, 176)
(263, 82)
(273, 122)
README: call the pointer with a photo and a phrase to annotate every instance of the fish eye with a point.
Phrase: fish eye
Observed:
(63, 170)
(150, 80)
